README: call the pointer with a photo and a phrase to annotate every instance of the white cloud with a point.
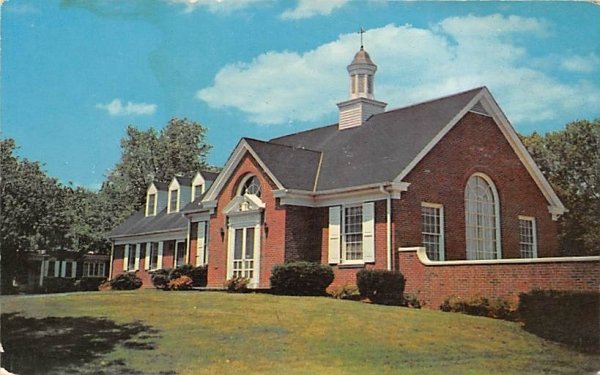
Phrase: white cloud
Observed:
(581, 64)
(415, 64)
(118, 108)
(215, 6)
(310, 8)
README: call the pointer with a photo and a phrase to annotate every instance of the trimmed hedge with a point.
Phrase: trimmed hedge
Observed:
(301, 279)
(161, 278)
(568, 317)
(381, 286)
(237, 284)
(90, 284)
(126, 281)
(480, 306)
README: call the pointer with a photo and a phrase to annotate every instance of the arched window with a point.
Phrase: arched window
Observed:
(482, 218)
(250, 185)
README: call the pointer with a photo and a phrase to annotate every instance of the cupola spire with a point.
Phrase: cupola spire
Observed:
(362, 104)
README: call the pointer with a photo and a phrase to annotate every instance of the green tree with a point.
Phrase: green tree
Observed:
(180, 148)
(31, 215)
(570, 160)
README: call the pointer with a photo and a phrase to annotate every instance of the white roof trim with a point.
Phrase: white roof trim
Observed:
(229, 168)
(556, 207)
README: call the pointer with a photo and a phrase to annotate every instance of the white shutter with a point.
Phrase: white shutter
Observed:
(334, 234)
(73, 269)
(368, 227)
(125, 257)
(147, 260)
(63, 269)
(160, 255)
(200, 243)
(46, 266)
(137, 256)
(56, 268)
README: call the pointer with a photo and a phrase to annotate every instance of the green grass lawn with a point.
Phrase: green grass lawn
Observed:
(153, 332)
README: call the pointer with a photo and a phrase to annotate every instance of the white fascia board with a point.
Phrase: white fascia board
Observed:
(556, 207)
(352, 195)
(233, 161)
(437, 138)
(151, 237)
(200, 216)
(198, 179)
(174, 184)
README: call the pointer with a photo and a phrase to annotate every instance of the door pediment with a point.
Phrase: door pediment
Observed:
(244, 204)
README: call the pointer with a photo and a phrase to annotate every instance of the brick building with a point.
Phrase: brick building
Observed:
(449, 175)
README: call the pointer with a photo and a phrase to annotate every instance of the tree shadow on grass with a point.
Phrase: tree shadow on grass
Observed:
(66, 344)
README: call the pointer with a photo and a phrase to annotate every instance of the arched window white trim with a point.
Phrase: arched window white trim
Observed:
(249, 185)
(482, 218)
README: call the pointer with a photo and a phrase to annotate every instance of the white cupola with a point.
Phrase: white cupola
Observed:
(362, 104)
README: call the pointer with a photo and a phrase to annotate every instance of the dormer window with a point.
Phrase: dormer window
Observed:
(250, 185)
(197, 192)
(174, 200)
(151, 205)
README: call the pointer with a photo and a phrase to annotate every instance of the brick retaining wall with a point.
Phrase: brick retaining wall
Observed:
(432, 282)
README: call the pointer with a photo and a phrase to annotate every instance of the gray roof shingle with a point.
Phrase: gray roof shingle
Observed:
(378, 150)
(138, 223)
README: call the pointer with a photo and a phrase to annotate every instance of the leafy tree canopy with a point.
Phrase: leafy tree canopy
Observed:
(570, 160)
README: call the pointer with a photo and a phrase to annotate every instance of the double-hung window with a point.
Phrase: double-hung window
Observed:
(352, 234)
(151, 205)
(174, 200)
(154, 253)
(527, 237)
(432, 230)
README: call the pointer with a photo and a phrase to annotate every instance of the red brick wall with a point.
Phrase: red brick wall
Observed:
(475, 144)
(303, 228)
(271, 246)
(433, 283)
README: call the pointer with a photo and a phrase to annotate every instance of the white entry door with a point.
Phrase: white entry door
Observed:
(244, 248)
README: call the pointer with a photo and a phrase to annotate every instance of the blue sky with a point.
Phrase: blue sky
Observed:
(75, 73)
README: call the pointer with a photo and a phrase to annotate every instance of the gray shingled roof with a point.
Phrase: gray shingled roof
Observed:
(138, 223)
(375, 152)
(293, 167)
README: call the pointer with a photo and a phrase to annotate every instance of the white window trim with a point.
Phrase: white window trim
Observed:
(442, 237)
(176, 255)
(202, 244)
(496, 212)
(337, 235)
(151, 190)
(343, 259)
(533, 236)
(169, 208)
(243, 182)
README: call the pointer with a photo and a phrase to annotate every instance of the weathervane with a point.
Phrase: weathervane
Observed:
(361, 32)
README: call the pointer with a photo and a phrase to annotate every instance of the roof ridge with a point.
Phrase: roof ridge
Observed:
(431, 100)
(303, 131)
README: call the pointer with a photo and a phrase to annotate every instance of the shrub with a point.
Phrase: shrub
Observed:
(181, 283)
(126, 281)
(58, 285)
(105, 286)
(480, 306)
(569, 317)
(160, 278)
(237, 284)
(301, 279)
(412, 300)
(198, 275)
(345, 292)
(381, 286)
(90, 283)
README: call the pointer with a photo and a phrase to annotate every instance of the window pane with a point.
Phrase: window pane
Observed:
(151, 198)
(173, 200)
(353, 233)
(480, 219)
(250, 243)
(432, 231)
(526, 238)
(237, 248)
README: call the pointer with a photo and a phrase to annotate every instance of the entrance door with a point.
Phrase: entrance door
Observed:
(243, 253)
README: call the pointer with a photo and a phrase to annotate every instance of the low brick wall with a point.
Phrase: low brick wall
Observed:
(433, 281)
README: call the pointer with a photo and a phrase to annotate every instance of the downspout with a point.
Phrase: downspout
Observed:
(388, 226)
(112, 252)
